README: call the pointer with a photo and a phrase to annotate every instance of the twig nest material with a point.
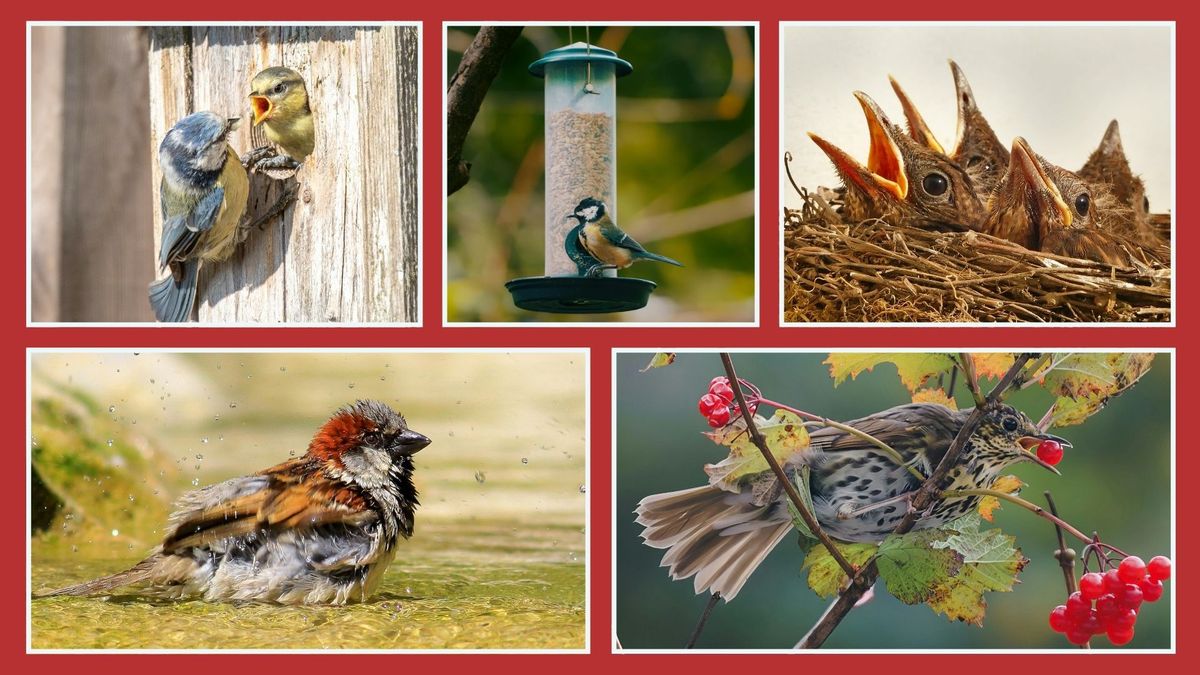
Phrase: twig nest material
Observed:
(872, 271)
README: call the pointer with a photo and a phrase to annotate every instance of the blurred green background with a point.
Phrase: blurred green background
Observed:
(685, 173)
(498, 556)
(1117, 479)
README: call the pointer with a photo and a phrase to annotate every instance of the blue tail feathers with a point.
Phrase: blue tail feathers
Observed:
(173, 301)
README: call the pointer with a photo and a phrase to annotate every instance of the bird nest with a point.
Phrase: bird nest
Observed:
(871, 271)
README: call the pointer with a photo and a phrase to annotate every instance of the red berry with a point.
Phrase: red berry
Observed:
(1059, 622)
(1152, 589)
(1123, 620)
(1120, 637)
(1050, 452)
(1132, 570)
(1159, 568)
(1076, 635)
(1078, 608)
(1091, 585)
(1113, 583)
(1107, 608)
(723, 390)
(1130, 598)
(1091, 624)
(720, 379)
(719, 417)
(709, 403)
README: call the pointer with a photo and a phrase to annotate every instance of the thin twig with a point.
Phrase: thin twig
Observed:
(1065, 556)
(925, 496)
(756, 437)
(708, 608)
(967, 363)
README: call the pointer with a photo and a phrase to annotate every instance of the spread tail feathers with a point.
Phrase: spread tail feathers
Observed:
(136, 574)
(717, 536)
(646, 255)
(173, 300)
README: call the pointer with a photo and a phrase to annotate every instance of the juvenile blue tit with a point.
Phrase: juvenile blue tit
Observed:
(203, 195)
(606, 242)
(280, 103)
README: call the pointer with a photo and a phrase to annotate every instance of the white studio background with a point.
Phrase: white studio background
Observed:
(1056, 85)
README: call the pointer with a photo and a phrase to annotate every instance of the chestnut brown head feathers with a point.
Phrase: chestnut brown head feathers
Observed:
(321, 528)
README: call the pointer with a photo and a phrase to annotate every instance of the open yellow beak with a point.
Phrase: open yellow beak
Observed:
(917, 127)
(262, 108)
(883, 159)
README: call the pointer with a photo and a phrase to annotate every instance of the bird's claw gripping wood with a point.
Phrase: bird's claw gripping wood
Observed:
(275, 162)
(260, 221)
(257, 155)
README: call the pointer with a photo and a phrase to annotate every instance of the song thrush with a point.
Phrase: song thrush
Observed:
(859, 494)
(903, 182)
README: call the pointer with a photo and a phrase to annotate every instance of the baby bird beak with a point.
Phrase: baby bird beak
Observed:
(1023, 163)
(1029, 443)
(262, 108)
(411, 442)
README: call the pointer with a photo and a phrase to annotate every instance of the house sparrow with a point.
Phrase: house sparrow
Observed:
(279, 100)
(203, 195)
(601, 239)
(318, 529)
(903, 181)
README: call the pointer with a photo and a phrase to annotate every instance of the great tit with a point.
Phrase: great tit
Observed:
(279, 100)
(603, 240)
(203, 195)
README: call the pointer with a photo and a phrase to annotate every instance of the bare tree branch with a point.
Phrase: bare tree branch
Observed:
(479, 67)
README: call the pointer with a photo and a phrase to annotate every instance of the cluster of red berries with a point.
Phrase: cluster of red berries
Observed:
(1118, 595)
(1050, 451)
(717, 405)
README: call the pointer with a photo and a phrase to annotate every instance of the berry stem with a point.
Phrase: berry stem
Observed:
(1064, 555)
(887, 449)
(1027, 505)
(794, 495)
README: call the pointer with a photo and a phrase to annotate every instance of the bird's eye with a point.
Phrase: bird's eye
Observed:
(935, 184)
(279, 88)
(974, 161)
(1082, 203)
(373, 439)
(1010, 424)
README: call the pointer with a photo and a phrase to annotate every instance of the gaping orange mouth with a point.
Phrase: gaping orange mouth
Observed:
(262, 108)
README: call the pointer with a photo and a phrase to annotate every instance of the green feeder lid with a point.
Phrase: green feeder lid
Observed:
(581, 51)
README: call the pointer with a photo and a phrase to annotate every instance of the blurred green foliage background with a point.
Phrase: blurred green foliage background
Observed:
(1117, 480)
(685, 173)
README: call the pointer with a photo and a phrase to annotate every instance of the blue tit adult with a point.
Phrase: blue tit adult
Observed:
(203, 196)
(606, 242)
(279, 99)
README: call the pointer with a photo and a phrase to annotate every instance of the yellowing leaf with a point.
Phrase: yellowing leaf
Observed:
(991, 562)
(785, 436)
(934, 396)
(659, 360)
(1006, 484)
(912, 567)
(914, 368)
(1084, 383)
(825, 576)
(992, 364)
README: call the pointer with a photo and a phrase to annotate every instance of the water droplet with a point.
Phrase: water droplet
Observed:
(524, 460)
(480, 477)
(283, 369)
(131, 498)
(200, 457)
(582, 489)
(408, 590)
(203, 439)
(232, 404)
(116, 533)
(74, 548)
(110, 442)
(351, 385)
(195, 481)
(112, 408)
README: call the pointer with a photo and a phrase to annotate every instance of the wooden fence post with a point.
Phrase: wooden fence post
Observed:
(346, 250)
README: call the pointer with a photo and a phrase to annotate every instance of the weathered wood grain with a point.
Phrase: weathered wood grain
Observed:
(347, 249)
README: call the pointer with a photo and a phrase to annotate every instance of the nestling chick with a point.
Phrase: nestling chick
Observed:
(279, 99)
(603, 240)
(318, 529)
(903, 182)
(977, 149)
(1044, 207)
(203, 195)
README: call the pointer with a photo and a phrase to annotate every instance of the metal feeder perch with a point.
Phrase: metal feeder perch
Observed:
(581, 153)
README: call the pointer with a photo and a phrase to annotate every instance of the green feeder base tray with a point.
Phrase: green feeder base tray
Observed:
(580, 295)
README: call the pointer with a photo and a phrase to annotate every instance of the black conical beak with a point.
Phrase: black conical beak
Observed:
(410, 442)
(1028, 443)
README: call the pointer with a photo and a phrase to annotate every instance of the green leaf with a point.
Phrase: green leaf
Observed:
(659, 360)
(914, 368)
(913, 567)
(1084, 383)
(801, 482)
(825, 576)
(991, 562)
(785, 436)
